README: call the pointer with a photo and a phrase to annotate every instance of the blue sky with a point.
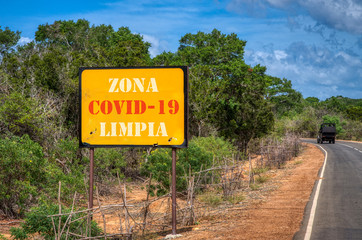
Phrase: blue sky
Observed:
(317, 44)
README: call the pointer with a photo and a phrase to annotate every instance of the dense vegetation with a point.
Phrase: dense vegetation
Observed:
(231, 103)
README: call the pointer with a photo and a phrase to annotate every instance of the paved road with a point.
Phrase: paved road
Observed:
(338, 208)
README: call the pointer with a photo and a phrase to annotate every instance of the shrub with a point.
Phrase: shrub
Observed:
(219, 147)
(38, 222)
(108, 161)
(22, 172)
(27, 176)
(65, 165)
(68, 157)
(159, 164)
(199, 155)
(18, 234)
(69, 165)
(20, 115)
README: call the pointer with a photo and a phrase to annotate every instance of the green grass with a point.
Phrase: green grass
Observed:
(298, 162)
(261, 179)
(235, 199)
(2, 237)
(258, 171)
(211, 199)
(254, 186)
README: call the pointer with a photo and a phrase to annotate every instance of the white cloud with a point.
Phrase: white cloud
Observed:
(157, 45)
(24, 40)
(280, 54)
(315, 71)
(343, 15)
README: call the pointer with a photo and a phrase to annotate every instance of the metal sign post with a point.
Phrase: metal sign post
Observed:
(173, 191)
(91, 174)
(90, 195)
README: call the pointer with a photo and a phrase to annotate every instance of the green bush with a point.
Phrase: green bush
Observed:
(159, 164)
(38, 222)
(22, 173)
(218, 147)
(26, 176)
(200, 155)
(108, 162)
(20, 115)
(65, 165)
(19, 234)
(70, 165)
(67, 155)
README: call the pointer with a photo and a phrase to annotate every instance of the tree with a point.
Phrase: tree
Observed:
(211, 49)
(354, 113)
(312, 101)
(242, 112)
(19, 116)
(283, 97)
(225, 93)
(8, 39)
(335, 104)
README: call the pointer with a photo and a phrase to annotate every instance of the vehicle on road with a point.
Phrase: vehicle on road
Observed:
(327, 133)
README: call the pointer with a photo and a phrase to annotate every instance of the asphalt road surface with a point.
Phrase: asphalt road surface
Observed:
(335, 207)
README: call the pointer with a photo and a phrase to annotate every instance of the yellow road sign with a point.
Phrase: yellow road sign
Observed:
(143, 106)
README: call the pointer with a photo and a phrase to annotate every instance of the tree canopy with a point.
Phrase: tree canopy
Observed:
(226, 94)
(8, 39)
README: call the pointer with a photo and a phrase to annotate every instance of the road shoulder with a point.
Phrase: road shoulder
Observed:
(279, 214)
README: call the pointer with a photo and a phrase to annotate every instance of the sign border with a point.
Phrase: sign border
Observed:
(185, 70)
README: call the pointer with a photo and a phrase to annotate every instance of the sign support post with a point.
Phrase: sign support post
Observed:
(174, 191)
(91, 175)
(90, 195)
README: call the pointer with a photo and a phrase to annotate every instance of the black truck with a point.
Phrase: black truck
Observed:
(327, 133)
